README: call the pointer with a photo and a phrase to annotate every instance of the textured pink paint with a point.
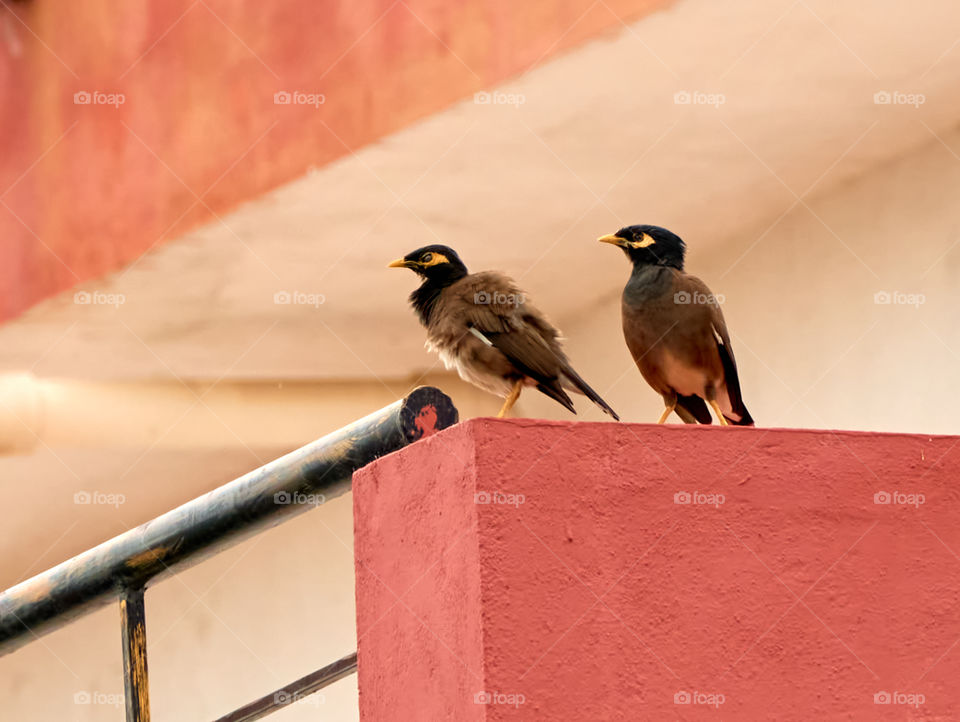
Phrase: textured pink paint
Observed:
(596, 597)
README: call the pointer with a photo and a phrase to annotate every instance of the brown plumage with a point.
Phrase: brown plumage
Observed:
(676, 332)
(482, 325)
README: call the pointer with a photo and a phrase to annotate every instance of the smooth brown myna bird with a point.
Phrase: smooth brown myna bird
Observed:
(482, 325)
(675, 330)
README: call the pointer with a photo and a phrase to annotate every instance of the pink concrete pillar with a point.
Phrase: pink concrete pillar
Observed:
(525, 569)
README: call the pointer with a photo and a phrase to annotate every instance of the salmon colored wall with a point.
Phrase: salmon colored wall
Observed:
(199, 118)
(588, 571)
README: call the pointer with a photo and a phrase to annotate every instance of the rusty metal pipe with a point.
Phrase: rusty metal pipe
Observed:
(133, 632)
(221, 518)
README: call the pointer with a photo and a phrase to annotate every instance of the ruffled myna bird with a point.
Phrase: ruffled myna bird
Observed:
(675, 330)
(482, 325)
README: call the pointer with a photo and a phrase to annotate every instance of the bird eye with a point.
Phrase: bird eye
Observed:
(426, 258)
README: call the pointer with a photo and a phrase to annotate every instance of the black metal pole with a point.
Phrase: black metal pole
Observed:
(133, 630)
(190, 533)
(293, 692)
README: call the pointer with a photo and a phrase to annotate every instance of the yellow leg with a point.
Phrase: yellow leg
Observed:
(666, 413)
(720, 417)
(511, 399)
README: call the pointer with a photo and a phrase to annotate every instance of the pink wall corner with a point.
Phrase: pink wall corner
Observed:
(782, 591)
(420, 650)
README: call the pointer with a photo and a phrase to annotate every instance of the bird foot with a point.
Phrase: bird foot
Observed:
(510, 400)
(720, 417)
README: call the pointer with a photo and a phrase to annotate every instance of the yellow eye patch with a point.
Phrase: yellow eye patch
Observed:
(645, 241)
(433, 259)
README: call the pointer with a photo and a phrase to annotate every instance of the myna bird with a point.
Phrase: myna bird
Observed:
(675, 330)
(482, 325)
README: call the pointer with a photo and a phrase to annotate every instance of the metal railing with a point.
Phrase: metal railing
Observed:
(123, 567)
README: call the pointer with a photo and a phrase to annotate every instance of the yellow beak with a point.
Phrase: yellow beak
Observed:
(399, 263)
(615, 240)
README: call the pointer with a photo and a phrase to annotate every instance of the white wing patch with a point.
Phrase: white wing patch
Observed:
(480, 336)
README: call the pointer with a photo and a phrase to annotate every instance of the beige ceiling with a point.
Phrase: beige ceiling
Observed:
(598, 142)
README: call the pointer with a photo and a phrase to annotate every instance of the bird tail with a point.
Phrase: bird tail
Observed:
(745, 420)
(696, 408)
(733, 389)
(555, 392)
(575, 383)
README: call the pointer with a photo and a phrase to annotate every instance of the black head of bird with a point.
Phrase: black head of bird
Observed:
(439, 267)
(649, 246)
(436, 263)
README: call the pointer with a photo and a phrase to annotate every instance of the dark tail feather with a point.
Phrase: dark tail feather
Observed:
(745, 420)
(557, 394)
(696, 408)
(732, 380)
(584, 388)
